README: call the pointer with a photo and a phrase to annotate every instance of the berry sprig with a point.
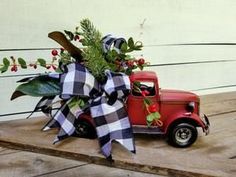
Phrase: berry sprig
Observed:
(14, 64)
(153, 116)
(94, 57)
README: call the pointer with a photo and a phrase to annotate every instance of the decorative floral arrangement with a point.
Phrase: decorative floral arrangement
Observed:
(88, 77)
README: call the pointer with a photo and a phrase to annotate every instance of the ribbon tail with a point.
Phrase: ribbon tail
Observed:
(112, 123)
(43, 104)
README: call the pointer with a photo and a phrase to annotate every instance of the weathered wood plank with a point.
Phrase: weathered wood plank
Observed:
(32, 164)
(211, 155)
(93, 170)
(214, 104)
(26, 134)
(4, 151)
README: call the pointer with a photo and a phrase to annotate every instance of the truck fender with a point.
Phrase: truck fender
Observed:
(191, 118)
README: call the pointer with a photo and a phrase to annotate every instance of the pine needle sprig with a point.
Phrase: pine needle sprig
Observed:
(93, 53)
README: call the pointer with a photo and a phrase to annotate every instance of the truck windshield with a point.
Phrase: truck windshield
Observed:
(140, 86)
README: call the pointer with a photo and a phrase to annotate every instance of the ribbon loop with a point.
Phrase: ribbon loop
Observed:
(77, 80)
(108, 41)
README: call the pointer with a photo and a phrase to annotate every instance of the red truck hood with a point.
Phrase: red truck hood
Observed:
(177, 95)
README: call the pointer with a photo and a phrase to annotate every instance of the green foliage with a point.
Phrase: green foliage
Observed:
(94, 58)
(69, 34)
(6, 64)
(40, 86)
(22, 63)
(66, 58)
(42, 62)
(92, 37)
(76, 102)
(152, 117)
(93, 53)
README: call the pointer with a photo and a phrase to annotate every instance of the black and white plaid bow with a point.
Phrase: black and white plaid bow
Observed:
(110, 118)
(105, 102)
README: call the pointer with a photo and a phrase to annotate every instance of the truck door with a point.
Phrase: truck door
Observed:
(135, 103)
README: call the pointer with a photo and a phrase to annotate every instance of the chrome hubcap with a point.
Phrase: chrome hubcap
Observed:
(183, 135)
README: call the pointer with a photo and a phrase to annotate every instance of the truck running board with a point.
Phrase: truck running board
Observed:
(139, 129)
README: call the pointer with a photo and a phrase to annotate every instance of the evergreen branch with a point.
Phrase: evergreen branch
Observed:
(93, 54)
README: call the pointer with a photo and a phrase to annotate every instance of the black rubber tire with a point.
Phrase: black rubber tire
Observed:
(84, 129)
(182, 135)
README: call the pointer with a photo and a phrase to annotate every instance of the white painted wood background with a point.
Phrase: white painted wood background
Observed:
(25, 25)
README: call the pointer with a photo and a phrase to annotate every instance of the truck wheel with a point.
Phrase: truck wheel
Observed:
(84, 129)
(182, 135)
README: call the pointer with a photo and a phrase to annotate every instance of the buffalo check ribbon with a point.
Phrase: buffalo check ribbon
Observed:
(110, 117)
(105, 101)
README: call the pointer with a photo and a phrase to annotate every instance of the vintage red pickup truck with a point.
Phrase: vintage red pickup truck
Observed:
(179, 112)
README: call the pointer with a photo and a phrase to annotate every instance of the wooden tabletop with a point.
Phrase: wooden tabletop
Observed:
(212, 155)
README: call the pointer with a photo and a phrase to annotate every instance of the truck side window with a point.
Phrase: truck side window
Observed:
(139, 86)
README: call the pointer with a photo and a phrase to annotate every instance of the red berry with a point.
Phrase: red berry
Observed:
(130, 63)
(54, 52)
(54, 67)
(76, 38)
(141, 61)
(152, 108)
(35, 66)
(48, 67)
(62, 50)
(14, 68)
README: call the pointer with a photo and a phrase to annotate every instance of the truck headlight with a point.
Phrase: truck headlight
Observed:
(190, 107)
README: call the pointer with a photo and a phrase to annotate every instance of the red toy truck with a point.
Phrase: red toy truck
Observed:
(179, 112)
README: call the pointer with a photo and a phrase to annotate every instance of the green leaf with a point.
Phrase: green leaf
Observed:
(150, 117)
(114, 53)
(6, 62)
(138, 45)
(124, 47)
(131, 42)
(40, 86)
(122, 56)
(76, 102)
(42, 62)
(22, 63)
(130, 50)
(153, 116)
(4, 68)
(157, 115)
(83, 42)
(58, 70)
(16, 94)
(69, 34)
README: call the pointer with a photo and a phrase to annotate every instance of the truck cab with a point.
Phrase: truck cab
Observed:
(179, 111)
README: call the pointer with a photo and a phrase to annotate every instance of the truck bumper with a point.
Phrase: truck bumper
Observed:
(206, 127)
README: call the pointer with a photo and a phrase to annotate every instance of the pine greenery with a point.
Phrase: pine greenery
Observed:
(93, 53)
